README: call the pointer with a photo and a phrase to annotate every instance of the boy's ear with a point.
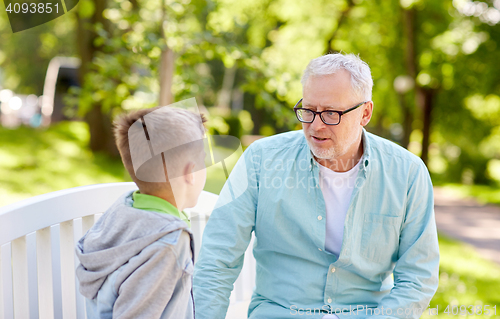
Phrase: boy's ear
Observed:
(188, 173)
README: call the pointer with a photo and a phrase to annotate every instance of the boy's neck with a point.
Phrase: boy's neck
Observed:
(168, 196)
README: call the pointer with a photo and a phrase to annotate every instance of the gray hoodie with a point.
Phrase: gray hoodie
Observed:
(136, 264)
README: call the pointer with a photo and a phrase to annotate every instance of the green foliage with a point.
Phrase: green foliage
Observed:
(125, 75)
(224, 122)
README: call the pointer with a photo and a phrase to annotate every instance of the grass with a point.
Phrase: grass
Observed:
(465, 279)
(34, 162)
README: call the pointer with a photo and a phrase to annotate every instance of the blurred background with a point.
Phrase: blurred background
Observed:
(435, 66)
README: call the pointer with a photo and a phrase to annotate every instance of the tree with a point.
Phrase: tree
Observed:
(90, 21)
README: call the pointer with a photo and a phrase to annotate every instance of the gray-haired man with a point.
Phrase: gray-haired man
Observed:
(343, 219)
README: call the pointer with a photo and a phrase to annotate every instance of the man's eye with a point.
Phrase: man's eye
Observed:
(329, 113)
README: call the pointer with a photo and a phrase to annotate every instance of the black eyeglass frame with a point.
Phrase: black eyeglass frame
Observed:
(340, 113)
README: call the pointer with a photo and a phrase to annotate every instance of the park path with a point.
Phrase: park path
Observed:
(470, 222)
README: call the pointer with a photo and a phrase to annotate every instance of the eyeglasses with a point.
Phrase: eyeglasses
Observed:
(329, 117)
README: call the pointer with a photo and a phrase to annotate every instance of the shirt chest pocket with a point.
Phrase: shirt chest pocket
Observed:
(380, 237)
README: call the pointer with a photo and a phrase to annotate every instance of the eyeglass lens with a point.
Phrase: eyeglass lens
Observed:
(328, 117)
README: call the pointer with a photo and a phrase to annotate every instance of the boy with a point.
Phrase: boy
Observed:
(137, 260)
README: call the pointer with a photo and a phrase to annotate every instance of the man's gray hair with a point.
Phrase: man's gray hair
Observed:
(361, 78)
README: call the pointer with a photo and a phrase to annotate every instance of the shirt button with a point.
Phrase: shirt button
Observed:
(320, 249)
(329, 300)
(320, 217)
(333, 269)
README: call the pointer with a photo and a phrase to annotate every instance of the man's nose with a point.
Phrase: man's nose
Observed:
(317, 124)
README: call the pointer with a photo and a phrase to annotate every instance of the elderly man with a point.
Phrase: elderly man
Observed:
(343, 219)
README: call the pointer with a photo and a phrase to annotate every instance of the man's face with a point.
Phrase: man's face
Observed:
(333, 92)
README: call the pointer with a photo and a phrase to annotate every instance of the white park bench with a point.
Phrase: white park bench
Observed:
(37, 254)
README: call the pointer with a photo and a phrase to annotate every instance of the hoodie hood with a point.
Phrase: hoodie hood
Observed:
(121, 233)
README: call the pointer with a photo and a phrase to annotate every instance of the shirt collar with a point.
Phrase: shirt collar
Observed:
(366, 150)
(365, 158)
(158, 205)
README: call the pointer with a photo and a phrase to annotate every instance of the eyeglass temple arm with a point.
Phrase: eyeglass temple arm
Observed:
(352, 108)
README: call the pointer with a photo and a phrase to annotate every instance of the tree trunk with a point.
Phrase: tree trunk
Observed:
(224, 99)
(343, 16)
(100, 127)
(407, 120)
(428, 97)
(167, 66)
(407, 123)
(411, 67)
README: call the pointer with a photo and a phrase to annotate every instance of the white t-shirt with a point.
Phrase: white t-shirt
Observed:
(337, 190)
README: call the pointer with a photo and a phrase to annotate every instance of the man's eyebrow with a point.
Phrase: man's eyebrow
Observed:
(326, 108)
(308, 105)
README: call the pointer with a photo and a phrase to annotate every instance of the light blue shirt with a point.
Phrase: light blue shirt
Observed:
(273, 191)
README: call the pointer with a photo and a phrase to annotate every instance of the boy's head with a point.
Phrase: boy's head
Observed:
(162, 148)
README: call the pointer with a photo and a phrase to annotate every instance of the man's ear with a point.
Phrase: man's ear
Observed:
(367, 113)
(188, 173)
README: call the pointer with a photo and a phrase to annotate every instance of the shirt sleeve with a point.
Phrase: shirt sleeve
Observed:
(226, 238)
(152, 285)
(416, 273)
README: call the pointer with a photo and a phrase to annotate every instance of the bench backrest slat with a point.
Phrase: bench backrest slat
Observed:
(20, 278)
(44, 272)
(67, 269)
(6, 253)
(87, 223)
(2, 304)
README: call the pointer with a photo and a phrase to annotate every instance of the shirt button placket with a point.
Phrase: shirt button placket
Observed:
(330, 288)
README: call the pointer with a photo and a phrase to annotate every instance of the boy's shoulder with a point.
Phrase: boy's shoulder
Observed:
(180, 238)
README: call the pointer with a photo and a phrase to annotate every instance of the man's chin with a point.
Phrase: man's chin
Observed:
(323, 153)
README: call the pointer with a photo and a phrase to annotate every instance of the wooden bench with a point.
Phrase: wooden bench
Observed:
(37, 254)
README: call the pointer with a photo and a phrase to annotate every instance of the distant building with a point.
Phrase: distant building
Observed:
(62, 74)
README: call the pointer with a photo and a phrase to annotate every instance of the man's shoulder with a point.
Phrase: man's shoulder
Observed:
(388, 149)
(280, 141)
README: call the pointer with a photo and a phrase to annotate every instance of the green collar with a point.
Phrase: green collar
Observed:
(157, 204)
